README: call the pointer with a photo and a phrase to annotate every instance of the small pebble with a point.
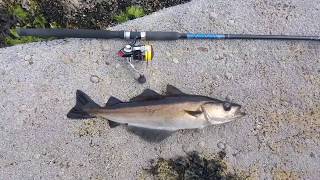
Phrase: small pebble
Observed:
(117, 65)
(221, 145)
(231, 21)
(274, 92)
(228, 76)
(94, 79)
(37, 156)
(218, 57)
(215, 84)
(175, 60)
(259, 126)
(107, 80)
(27, 58)
(67, 60)
(202, 144)
(312, 155)
(213, 15)
(203, 49)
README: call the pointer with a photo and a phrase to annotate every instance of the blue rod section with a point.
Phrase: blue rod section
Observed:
(205, 36)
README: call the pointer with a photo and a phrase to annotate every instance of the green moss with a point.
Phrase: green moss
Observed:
(130, 13)
(39, 22)
(135, 12)
(15, 39)
(26, 39)
(19, 12)
(122, 17)
(33, 18)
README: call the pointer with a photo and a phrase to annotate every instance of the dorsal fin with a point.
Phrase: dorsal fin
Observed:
(147, 94)
(173, 91)
(112, 101)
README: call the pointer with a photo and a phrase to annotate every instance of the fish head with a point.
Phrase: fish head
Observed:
(221, 112)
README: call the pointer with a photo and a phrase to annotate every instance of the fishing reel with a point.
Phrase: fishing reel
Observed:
(134, 52)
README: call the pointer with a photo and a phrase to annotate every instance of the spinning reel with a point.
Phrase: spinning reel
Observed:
(134, 52)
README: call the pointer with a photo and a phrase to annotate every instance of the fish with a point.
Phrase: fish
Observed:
(153, 116)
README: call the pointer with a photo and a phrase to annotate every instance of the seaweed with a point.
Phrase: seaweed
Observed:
(192, 166)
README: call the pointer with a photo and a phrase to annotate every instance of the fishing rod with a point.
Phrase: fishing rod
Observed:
(151, 35)
(137, 52)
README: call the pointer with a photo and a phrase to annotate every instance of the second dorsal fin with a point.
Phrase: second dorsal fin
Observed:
(173, 91)
(147, 94)
(112, 101)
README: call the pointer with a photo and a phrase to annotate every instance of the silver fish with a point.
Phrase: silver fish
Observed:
(158, 114)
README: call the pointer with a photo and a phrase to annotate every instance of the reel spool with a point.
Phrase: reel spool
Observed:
(133, 52)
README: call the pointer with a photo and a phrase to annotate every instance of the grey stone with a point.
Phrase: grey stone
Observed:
(94, 79)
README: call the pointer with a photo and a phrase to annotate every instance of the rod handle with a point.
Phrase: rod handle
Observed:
(71, 33)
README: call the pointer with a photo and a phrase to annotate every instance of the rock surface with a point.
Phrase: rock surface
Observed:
(277, 82)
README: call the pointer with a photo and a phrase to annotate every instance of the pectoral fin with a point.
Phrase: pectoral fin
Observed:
(151, 135)
(194, 113)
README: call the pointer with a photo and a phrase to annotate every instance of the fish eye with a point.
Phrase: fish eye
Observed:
(227, 106)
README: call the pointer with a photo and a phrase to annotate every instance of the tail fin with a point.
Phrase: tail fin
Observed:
(84, 102)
